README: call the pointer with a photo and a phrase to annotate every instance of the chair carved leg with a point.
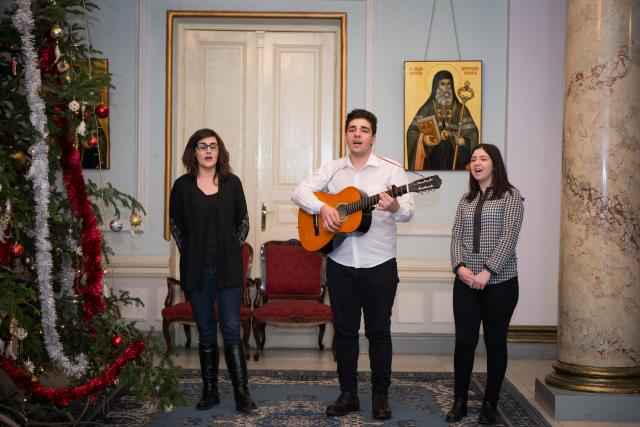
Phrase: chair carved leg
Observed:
(256, 337)
(246, 333)
(263, 335)
(165, 331)
(187, 332)
(321, 328)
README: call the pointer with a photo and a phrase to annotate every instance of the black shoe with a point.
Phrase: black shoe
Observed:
(347, 402)
(209, 359)
(208, 401)
(237, 366)
(458, 411)
(380, 406)
(488, 413)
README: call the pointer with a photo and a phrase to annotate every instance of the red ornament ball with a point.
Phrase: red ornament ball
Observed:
(47, 57)
(102, 111)
(17, 250)
(58, 108)
(58, 117)
(93, 141)
(116, 341)
(60, 121)
(86, 115)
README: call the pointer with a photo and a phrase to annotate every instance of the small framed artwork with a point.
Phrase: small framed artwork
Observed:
(95, 149)
(442, 113)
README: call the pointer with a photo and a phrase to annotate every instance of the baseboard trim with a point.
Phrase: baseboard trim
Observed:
(444, 344)
(533, 334)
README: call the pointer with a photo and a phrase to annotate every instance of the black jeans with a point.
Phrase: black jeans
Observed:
(371, 291)
(493, 306)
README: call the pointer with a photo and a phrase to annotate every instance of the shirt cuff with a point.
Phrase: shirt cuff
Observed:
(317, 205)
(486, 267)
(457, 267)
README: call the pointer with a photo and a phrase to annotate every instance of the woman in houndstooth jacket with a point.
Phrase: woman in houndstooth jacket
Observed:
(483, 256)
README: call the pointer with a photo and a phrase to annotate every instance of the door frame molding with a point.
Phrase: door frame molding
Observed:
(172, 15)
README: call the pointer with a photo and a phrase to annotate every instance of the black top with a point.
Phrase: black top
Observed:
(189, 216)
(211, 242)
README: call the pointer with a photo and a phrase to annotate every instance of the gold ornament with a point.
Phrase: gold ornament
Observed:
(63, 66)
(57, 32)
(135, 219)
(19, 159)
(32, 151)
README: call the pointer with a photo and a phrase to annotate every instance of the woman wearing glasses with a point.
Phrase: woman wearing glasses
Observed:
(209, 223)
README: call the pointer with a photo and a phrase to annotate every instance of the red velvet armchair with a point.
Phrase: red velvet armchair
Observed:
(290, 292)
(182, 311)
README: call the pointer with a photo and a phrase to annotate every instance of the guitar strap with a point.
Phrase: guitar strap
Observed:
(338, 239)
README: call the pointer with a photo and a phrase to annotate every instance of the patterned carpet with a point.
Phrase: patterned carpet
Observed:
(299, 398)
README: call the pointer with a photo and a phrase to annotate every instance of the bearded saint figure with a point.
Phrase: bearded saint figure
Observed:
(438, 126)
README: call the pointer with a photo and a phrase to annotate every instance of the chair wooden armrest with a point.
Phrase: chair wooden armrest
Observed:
(172, 284)
(261, 297)
(246, 293)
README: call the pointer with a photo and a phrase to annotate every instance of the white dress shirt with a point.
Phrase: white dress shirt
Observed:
(379, 243)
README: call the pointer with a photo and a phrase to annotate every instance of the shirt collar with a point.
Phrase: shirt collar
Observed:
(371, 161)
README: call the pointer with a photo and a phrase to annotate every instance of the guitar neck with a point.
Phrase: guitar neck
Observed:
(371, 201)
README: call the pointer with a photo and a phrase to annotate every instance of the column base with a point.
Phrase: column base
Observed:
(594, 379)
(583, 406)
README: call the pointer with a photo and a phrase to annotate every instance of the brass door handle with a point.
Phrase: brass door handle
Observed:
(265, 211)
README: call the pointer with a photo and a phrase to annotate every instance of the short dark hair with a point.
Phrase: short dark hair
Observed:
(359, 113)
(499, 181)
(190, 162)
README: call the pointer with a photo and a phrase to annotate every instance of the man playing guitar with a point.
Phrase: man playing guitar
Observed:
(362, 273)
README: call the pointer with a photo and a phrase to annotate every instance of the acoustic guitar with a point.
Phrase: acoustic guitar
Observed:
(354, 208)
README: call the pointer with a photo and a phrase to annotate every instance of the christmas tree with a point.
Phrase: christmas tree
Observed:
(64, 345)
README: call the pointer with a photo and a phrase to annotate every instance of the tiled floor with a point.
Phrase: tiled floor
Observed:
(521, 372)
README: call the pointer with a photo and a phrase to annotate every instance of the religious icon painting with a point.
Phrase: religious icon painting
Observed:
(442, 113)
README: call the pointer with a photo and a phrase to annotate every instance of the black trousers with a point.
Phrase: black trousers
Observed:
(493, 306)
(353, 291)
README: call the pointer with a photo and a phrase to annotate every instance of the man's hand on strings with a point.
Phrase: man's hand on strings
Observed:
(330, 218)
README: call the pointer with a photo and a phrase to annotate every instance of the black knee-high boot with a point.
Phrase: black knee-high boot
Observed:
(237, 365)
(209, 359)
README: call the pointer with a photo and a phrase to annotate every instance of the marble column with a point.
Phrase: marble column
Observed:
(599, 295)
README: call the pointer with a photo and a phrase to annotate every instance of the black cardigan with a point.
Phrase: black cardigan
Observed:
(188, 216)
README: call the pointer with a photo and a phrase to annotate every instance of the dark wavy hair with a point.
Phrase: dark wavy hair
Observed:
(190, 162)
(359, 113)
(499, 182)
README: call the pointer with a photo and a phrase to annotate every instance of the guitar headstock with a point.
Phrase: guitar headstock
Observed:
(425, 184)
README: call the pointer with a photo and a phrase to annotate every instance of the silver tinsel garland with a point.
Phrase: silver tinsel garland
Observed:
(23, 22)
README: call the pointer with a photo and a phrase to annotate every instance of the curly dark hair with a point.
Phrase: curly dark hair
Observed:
(359, 113)
(499, 181)
(190, 162)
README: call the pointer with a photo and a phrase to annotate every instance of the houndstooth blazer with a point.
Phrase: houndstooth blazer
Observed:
(485, 233)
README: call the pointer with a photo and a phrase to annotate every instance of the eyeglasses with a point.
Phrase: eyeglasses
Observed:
(201, 146)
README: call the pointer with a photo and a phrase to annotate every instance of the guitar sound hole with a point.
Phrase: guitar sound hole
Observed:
(342, 211)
